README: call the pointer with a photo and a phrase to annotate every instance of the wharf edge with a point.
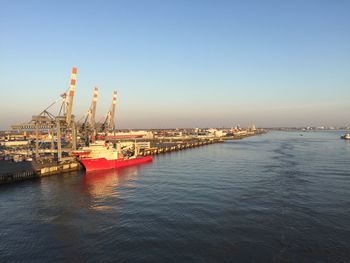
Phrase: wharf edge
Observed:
(44, 168)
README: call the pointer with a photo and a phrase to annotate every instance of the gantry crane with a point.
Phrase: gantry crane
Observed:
(71, 96)
(109, 123)
(63, 123)
(88, 127)
(65, 120)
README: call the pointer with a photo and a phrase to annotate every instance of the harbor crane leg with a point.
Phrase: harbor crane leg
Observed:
(74, 136)
(52, 142)
(37, 140)
(59, 146)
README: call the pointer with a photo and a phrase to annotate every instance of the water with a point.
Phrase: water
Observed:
(280, 197)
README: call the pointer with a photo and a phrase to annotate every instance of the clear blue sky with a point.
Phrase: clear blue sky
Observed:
(180, 63)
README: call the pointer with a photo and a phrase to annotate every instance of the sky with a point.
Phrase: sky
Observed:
(191, 63)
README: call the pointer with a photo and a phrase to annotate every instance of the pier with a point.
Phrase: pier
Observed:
(12, 172)
(165, 147)
(17, 172)
(49, 140)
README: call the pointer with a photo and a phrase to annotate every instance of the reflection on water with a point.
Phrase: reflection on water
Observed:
(283, 196)
(101, 185)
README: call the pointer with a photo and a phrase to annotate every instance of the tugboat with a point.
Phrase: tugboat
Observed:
(346, 136)
(102, 156)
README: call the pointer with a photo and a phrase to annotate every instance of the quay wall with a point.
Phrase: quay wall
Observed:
(47, 167)
(37, 170)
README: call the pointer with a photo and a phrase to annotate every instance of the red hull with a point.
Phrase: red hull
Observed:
(104, 164)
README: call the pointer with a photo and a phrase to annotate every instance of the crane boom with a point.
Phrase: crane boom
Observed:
(109, 123)
(114, 106)
(88, 127)
(71, 95)
(93, 107)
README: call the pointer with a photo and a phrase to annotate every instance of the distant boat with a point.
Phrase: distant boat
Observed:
(346, 136)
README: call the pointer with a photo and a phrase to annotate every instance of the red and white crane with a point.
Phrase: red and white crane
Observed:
(89, 121)
(69, 108)
(109, 123)
(88, 126)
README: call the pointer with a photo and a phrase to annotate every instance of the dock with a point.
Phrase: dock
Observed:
(171, 146)
(12, 172)
(15, 172)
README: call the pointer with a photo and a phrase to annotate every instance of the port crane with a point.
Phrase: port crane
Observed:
(63, 124)
(109, 122)
(88, 126)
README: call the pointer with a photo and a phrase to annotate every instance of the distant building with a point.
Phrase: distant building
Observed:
(216, 133)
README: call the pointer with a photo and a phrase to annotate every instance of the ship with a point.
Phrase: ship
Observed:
(102, 155)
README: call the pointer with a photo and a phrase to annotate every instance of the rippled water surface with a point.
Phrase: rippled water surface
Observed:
(280, 197)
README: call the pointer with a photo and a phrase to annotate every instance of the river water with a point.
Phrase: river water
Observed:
(278, 197)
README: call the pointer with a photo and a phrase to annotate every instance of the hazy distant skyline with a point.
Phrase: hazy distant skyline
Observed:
(180, 63)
